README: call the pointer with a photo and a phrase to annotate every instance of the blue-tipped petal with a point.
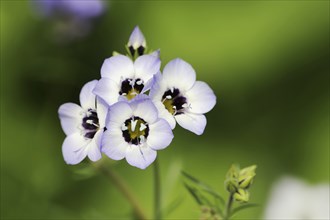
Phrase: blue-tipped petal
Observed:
(118, 114)
(117, 68)
(87, 97)
(145, 109)
(74, 148)
(160, 135)
(108, 90)
(179, 74)
(70, 115)
(193, 122)
(114, 145)
(140, 157)
(94, 147)
(146, 67)
(200, 98)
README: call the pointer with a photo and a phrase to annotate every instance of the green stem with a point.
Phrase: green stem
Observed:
(124, 189)
(157, 214)
(229, 205)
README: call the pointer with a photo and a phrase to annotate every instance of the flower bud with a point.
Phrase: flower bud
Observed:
(137, 43)
(246, 176)
(231, 182)
(242, 195)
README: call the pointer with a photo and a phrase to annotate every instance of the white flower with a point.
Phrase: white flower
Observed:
(83, 125)
(122, 77)
(179, 97)
(137, 42)
(135, 132)
(294, 199)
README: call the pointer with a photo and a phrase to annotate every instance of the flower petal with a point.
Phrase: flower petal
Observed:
(108, 90)
(146, 66)
(179, 74)
(136, 39)
(160, 135)
(200, 98)
(193, 122)
(140, 156)
(87, 97)
(145, 109)
(118, 114)
(71, 117)
(102, 111)
(155, 53)
(74, 148)
(114, 145)
(117, 68)
(165, 114)
(93, 148)
(158, 87)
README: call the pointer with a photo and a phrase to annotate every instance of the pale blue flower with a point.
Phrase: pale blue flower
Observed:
(137, 42)
(84, 126)
(84, 9)
(135, 132)
(121, 77)
(180, 98)
(70, 19)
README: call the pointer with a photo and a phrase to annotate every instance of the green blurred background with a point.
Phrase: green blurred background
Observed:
(267, 61)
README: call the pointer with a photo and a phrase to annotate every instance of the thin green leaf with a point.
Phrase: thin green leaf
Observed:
(194, 194)
(242, 207)
(204, 186)
(215, 194)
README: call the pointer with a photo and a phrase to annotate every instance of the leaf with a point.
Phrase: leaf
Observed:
(239, 208)
(193, 192)
(204, 187)
(215, 194)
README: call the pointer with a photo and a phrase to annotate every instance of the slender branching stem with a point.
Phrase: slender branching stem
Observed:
(229, 205)
(122, 186)
(157, 193)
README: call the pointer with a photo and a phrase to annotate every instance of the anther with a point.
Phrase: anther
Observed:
(142, 127)
(142, 139)
(133, 125)
(131, 82)
(89, 121)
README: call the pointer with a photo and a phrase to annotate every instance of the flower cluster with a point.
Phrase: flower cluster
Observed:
(239, 180)
(131, 111)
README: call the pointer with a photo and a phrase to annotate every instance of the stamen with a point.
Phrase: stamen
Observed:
(133, 124)
(175, 110)
(169, 97)
(131, 82)
(142, 139)
(142, 127)
(172, 89)
(139, 82)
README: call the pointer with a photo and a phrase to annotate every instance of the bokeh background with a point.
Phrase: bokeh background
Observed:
(267, 61)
